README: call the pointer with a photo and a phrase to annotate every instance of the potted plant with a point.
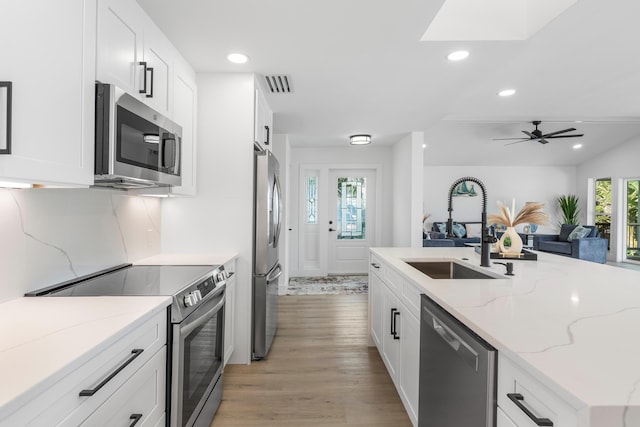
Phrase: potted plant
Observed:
(570, 210)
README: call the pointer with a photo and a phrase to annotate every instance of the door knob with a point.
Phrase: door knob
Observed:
(331, 229)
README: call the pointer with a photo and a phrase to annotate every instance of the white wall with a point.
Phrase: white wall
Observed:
(503, 183)
(348, 156)
(53, 235)
(406, 197)
(220, 217)
(618, 164)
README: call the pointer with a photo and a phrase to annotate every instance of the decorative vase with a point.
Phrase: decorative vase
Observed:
(516, 242)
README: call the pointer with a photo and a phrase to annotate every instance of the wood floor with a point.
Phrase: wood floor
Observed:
(319, 372)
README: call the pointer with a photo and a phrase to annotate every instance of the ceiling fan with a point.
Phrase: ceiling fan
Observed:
(537, 134)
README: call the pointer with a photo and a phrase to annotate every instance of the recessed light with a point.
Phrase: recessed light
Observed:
(507, 92)
(577, 146)
(361, 139)
(458, 55)
(237, 58)
(424, 145)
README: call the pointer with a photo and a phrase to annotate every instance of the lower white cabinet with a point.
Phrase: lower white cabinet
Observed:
(395, 330)
(521, 398)
(229, 311)
(141, 398)
(127, 374)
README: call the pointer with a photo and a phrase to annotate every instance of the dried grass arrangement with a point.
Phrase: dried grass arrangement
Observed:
(531, 213)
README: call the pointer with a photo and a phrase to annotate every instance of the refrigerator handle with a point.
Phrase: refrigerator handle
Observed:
(274, 274)
(276, 234)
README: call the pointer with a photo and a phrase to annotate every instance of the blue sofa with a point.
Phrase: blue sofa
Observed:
(589, 248)
(460, 240)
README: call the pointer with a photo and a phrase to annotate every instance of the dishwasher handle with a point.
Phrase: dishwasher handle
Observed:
(463, 349)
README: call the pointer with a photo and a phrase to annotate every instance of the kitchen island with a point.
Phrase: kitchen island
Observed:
(568, 326)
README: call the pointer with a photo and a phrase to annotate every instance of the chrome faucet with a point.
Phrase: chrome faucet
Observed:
(488, 233)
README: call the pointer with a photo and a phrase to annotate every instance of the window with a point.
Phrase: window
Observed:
(352, 198)
(312, 200)
(603, 208)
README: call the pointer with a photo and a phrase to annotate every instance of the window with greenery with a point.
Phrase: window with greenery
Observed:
(603, 207)
(633, 222)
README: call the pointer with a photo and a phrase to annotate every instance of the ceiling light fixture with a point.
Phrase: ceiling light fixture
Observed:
(424, 145)
(458, 55)
(360, 139)
(507, 92)
(577, 146)
(237, 58)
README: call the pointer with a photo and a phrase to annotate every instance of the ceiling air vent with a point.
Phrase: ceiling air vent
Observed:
(279, 83)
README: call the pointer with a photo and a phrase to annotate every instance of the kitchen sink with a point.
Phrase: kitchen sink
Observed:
(449, 270)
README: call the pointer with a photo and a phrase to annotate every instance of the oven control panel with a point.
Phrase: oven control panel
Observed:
(193, 297)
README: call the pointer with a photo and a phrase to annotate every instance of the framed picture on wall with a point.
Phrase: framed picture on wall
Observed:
(5, 117)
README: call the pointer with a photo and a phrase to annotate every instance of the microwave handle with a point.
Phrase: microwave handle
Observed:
(178, 141)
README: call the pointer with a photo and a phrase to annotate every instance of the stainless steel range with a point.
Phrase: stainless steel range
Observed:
(196, 336)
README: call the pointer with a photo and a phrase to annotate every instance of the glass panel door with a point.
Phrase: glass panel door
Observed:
(632, 220)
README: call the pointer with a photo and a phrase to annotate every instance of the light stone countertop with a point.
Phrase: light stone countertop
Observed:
(187, 259)
(44, 339)
(574, 325)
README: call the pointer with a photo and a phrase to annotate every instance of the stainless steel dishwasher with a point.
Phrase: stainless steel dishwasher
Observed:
(457, 372)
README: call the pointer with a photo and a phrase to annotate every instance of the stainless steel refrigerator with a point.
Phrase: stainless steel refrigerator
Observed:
(266, 268)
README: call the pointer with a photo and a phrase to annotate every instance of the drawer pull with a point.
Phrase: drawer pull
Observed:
(135, 418)
(90, 392)
(517, 398)
(375, 265)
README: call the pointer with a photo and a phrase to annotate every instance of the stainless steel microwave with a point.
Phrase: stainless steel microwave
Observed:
(135, 147)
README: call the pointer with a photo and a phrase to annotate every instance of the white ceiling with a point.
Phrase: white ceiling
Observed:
(358, 66)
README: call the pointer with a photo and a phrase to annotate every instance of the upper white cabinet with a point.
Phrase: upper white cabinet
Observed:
(133, 53)
(263, 128)
(52, 70)
(184, 113)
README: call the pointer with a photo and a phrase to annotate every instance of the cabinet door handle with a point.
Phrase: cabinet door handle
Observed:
(268, 133)
(90, 392)
(150, 95)
(395, 325)
(135, 418)
(144, 73)
(375, 265)
(518, 400)
(392, 331)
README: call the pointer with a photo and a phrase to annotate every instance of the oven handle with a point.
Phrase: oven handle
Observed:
(187, 329)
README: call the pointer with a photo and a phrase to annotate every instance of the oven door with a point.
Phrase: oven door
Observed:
(197, 364)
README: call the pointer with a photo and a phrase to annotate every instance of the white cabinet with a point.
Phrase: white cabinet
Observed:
(376, 296)
(395, 329)
(133, 54)
(263, 128)
(502, 420)
(409, 383)
(184, 113)
(390, 334)
(141, 398)
(230, 312)
(126, 377)
(52, 69)
(519, 392)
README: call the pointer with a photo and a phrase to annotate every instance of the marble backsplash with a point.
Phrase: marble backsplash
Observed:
(51, 235)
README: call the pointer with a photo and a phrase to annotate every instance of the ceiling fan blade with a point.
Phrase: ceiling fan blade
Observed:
(565, 136)
(543, 141)
(558, 132)
(529, 134)
(516, 142)
(506, 139)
